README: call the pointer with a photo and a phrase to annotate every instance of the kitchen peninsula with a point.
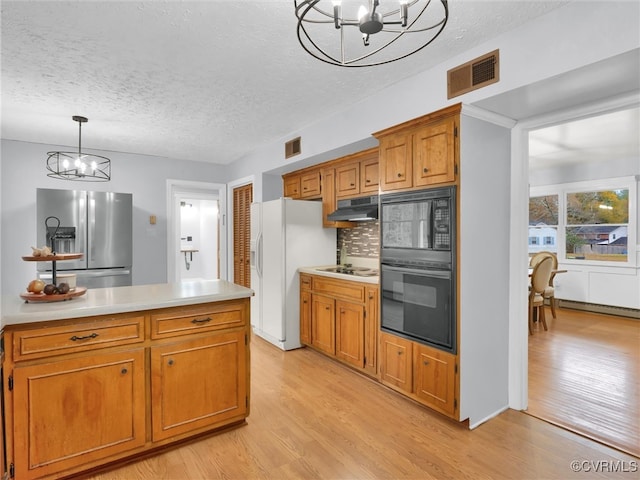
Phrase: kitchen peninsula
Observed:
(122, 371)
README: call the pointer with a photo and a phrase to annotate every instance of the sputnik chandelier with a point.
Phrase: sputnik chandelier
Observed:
(77, 165)
(348, 34)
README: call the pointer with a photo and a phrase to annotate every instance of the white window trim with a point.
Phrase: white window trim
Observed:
(617, 183)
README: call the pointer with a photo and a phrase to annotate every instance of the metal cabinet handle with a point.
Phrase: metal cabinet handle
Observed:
(124, 371)
(170, 362)
(399, 352)
(201, 320)
(425, 362)
(75, 338)
(425, 170)
(368, 181)
(399, 175)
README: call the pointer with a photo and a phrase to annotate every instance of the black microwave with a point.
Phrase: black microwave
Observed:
(418, 227)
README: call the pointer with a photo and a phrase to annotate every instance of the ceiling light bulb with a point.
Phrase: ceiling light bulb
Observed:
(94, 166)
(77, 163)
(65, 164)
(336, 3)
(83, 167)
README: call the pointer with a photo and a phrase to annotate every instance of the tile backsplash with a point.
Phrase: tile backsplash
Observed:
(363, 240)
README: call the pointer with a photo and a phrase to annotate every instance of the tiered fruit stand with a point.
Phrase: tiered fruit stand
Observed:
(56, 297)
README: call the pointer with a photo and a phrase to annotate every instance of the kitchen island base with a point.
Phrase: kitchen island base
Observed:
(83, 393)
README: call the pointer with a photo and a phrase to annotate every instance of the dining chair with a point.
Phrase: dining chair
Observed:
(539, 281)
(549, 292)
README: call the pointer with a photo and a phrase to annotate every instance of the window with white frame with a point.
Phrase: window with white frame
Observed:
(589, 222)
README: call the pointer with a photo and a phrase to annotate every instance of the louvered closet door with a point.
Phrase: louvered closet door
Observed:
(242, 198)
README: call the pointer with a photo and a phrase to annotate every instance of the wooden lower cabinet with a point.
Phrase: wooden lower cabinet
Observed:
(198, 383)
(81, 393)
(73, 411)
(341, 318)
(423, 373)
(323, 323)
(435, 378)
(396, 362)
(350, 333)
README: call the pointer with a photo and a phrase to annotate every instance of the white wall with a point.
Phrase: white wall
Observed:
(23, 171)
(484, 265)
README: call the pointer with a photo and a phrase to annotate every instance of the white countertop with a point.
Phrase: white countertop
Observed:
(107, 301)
(342, 276)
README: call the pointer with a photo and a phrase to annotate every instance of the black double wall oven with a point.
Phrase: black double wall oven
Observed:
(418, 266)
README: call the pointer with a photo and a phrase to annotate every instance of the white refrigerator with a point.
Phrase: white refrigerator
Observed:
(286, 234)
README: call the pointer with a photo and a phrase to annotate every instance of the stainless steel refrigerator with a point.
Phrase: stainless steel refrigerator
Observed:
(286, 234)
(97, 224)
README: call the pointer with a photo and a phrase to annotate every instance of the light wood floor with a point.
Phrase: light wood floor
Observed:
(584, 374)
(312, 418)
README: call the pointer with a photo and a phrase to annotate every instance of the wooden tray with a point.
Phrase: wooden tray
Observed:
(50, 258)
(58, 297)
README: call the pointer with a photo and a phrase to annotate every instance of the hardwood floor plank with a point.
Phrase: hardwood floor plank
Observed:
(312, 418)
(584, 374)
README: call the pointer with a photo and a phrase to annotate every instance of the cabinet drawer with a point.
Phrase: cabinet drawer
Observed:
(339, 289)
(47, 341)
(184, 321)
(305, 282)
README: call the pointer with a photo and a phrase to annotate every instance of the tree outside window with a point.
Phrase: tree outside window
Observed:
(597, 225)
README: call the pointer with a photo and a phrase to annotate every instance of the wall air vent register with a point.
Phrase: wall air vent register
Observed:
(292, 147)
(475, 74)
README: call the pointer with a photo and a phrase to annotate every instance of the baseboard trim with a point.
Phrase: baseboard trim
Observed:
(597, 308)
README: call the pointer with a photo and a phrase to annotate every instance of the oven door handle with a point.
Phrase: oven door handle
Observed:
(425, 273)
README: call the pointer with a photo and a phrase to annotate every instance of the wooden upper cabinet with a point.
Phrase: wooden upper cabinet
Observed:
(292, 186)
(395, 162)
(347, 180)
(329, 200)
(369, 175)
(303, 184)
(357, 174)
(310, 184)
(420, 152)
(434, 154)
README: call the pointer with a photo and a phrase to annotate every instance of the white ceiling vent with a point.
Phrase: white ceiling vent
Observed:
(292, 147)
(475, 74)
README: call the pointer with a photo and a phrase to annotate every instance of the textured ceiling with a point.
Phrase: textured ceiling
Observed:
(205, 81)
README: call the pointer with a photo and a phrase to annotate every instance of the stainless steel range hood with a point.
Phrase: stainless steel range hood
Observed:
(356, 210)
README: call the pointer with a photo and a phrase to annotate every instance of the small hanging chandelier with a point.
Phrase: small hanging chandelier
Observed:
(382, 34)
(77, 165)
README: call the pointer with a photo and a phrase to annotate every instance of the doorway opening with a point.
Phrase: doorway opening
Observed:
(196, 232)
(582, 372)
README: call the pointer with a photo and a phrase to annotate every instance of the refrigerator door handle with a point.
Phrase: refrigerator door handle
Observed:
(259, 255)
(91, 231)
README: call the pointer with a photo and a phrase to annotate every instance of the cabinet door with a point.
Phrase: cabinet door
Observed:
(292, 186)
(305, 317)
(73, 412)
(198, 384)
(434, 153)
(350, 333)
(369, 175)
(396, 362)
(323, 324)
(436, 378)
(310, 185)
(371, 331)
(329, 201)
(395, 162)
(348, 180)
